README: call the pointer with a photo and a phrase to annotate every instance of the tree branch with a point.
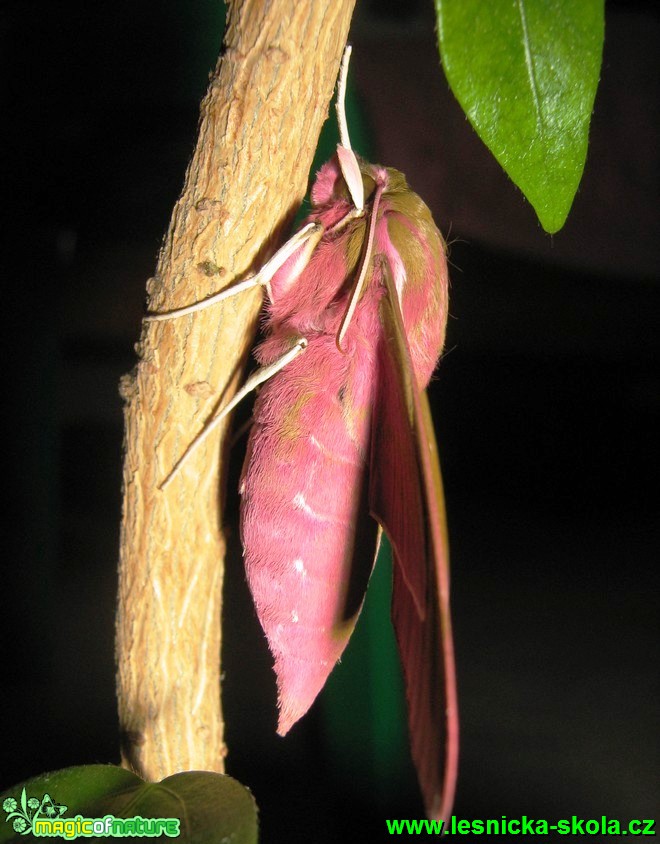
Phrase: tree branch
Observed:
(259, 126)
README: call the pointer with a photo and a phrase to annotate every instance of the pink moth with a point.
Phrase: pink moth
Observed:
(342, 448)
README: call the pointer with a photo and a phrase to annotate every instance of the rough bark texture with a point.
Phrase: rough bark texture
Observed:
(259, 126)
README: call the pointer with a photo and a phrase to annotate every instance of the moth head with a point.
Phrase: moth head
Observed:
(344, 178)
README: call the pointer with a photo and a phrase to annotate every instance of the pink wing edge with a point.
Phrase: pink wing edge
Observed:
(405, 477)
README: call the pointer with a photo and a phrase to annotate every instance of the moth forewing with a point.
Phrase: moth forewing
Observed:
(424, 636)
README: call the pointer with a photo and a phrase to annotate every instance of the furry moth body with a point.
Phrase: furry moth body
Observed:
(342, 448)
(307, 465)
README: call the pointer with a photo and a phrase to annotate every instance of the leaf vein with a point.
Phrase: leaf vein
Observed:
(529, 62)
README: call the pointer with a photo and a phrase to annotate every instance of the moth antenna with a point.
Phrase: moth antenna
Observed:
(350, 170)
(341, 99)
(364, 269)
(347, 159)
(258, 377)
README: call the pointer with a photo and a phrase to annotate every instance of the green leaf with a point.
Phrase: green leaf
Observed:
(212, 808)
(526, 73)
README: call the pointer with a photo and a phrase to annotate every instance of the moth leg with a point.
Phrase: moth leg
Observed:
(258, 377)
(246, 284)
(305, 241)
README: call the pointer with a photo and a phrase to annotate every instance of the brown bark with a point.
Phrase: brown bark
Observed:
(259, 125)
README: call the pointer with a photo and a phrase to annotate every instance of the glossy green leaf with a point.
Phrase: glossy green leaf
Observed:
(525, 72)
(212, 808)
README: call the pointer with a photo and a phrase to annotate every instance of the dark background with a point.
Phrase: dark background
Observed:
(546, 406)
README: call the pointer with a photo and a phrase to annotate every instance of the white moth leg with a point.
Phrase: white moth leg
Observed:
(257, 377)
(246, 284)
(308, 238)
(348, 162)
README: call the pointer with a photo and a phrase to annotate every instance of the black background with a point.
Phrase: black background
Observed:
(546, 406)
